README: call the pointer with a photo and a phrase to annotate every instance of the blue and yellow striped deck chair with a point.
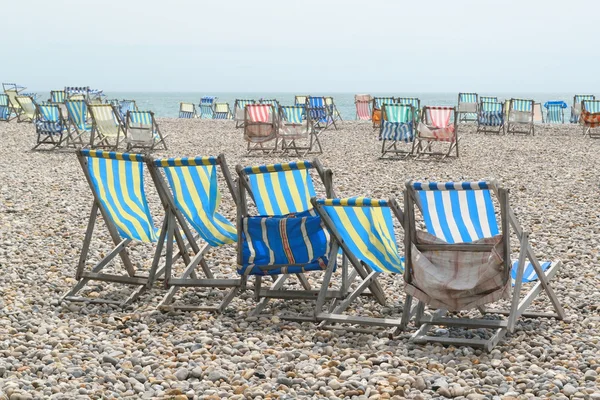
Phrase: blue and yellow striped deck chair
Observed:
(467, 107)
(490, 117)
(117, 184)
(555, 111)
(285, 235)
(57, 96)
(50, 125)
(207, 105)
(12, 90)
(300, 100)
(378, 102)
(107, 128)
(363, 228)
(239, 109)
(188, 188)
(397, 126)
(576, 107)
(187, 110)
(222, 111)
(462, 261)
(27, 108)
(5, 111)
(142, 131)
(80, 124)
(520, 117)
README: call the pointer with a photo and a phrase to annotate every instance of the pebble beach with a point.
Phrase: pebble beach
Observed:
(55, 350)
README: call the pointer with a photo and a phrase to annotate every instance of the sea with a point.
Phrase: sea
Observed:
(166, 104)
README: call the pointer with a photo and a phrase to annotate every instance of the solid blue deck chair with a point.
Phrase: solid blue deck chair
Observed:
(207, 105)
(50, 125)
(576, 107)
(490, 117)
(467, 107)
(80, 123)
(555, 111)
(397, 127)
(187, 110)
(520, 117)
(378, 102)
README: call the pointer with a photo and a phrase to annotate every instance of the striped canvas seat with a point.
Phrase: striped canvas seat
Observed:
(521, 116)
(397, 124)
(57, 96)
(260, 125)
(292, 114)
(555, 111)
(576, 107)
(317, 109)
(467, 106)
(221, 111)
(207, 107)
(79, 115)
(107, 128)
(4, 108)
(187, 110)
(437, 124)
(488, 99)
(142, 131)
(48, 119)
(292, 126)
(27, 106)
(413, 101)
(239, 108)
(363, 106)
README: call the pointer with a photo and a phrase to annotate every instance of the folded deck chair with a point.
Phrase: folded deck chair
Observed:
(50, 125)
(590, 117)
(107, 128)
(488, 99)
(490, 117)
(467, 107)
(363, 106)
(27, 108)
(239, 108)
(57, 96)
(142, 131)
(273, 102)
(80, 123)
(124, 107)
(319, 113)
(285, 236)
(397, 129)
(187, 110)
(333, 110)
(207, 105)
(462, 261)
(117, 184)
(378, 102)
(260, 128)
(555, 112)
(438, 126)
(520, 117)
(576, 107)
(293, 127)
(5, 111)
(189, 190)
(222, 111)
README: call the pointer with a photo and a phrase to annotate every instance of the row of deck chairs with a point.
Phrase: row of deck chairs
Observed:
(209, 109)
(286, 226)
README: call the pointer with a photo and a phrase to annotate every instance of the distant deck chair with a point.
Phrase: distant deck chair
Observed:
(555, 112)
(488, 99)
(222, 111)
(378, 102)
(261, 126)
(189, 191)
(413, 101)
(126, 106)
(207, 106)
(490, 117)
(80, 123)
(468, 104)
(50, 126)
(294, 127)
(462, 261)
(273, 102)
(57, 96)
(142, 132)
(27, 106)
(5, 110)
(117, 184)
(333, 110)
(397, 128)
(12, 90)
(107, 128)
(300, 100)
(520, 117)
(590, 118)
(438, 127)
(187, 110)
(363, 106)
(319, 113)
(286, 236)
(239, 110)
(576, 107)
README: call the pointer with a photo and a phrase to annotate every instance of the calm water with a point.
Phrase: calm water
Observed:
(166, 104)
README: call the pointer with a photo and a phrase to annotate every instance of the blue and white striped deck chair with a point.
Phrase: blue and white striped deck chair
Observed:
(520, 117)
(188, 187)
(285, 236)
(300, 100)
(239, 109)
(80, 124)
(555, 112)
(117, 184)
(462, 261)
(108, 131)
(378, 102)
(124, 107)
(576, 107)
(488, 99)
(5, 111)
(363, 228)
(222, 111)
(50, 125)
(207, 105)
(142, 131)
(57, 96)
(294, 127)
(397, 127)
(318, 113)
(187, 110)
(491, 117)
(467, 107)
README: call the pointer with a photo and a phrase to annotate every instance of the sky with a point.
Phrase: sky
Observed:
(354, 46)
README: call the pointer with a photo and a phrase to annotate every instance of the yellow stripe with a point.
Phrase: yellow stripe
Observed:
(264, 195)
(367, 224)
(279, 194)
(388, 242)
(341, 212)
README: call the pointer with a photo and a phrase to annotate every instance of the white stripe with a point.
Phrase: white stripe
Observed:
(482, 214)
(464, 212)
(249, 241)
(435, 220)
(456, 238)
(263, 227)
(309, 248)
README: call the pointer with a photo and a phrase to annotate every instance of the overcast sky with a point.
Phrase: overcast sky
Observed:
(308, 45)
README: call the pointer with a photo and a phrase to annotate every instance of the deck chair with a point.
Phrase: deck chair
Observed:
(467, 107)
(576, 107)
(438, 127)
(124, 107)
(319, 113)
(80, 123)
(413, 101)
(239, 108)
(260, 128)
(12, 90)
(50, 126)
(590, 117)
(107, 128)
(378, 102)
(363, 106)
(397, 129)
(5, 111)
(490, 117)
(462, 260)
(57, 96)
(117, 184)
(333, 110)
(77, 93)
(488, 99)
(300, 100)
(520, 117)
(142, 131)
(363, 229)
(189, 191)
(555, 112)
(222, 111)
(273, 102)
(27, 108)
(207, 105)
(187, 110)
(293, 127)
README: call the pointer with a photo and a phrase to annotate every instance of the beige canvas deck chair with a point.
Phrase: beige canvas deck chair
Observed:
(107, 129)
(295, 132)
(27, 107)
(468, 107)
(189, 191)
(437, 129)
(463, 262)
(187, 110)
(589, 118)
(521, 117)
(142, 131)
(261, 128)
(12, 90)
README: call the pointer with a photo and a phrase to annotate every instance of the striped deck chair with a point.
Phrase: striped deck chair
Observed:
(286, 235)
(187, 110)
(300, 100)
(413, 101)
(5, 111)
(50, 125)
(363, 106)
(189, 190)
(107, 128)
(319, 113)
(260, 127)
(207, 105)
(467, 107)
(590, 117)
(27, 106)
(438, 126)
(555, 112)
(520, 117)
(397, 127)
(363, 228)
(57, 96)
(12, 90)
(117, 184)
(333, 111)
(77, 92)
(239, 108)
(222, 111)
(378, 102)
(142, 131)
(490, 117)
(462, 260)
(124, 107)
(488, 99)
(292, 127)
(576, 107)
(80, 126)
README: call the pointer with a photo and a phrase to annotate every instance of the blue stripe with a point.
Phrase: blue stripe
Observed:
(472, 205)
(458, 218)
